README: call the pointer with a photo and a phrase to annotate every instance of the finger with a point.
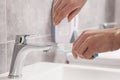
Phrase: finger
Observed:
(78, 38)
(82, 49)
(81, 40)
(84, 36)
(74, 53)
(64, 12)
(55, 1)
(77, 44)
(89, 54)
(56, 5)
(73, 14)
(59, 8)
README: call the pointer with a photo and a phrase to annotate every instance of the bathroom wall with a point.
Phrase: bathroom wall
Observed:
(3, 35)
(19, 17)
(117, 14)
(96, 12)
(33, 17)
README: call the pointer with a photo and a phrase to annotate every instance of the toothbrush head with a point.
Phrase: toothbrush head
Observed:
(95, 55)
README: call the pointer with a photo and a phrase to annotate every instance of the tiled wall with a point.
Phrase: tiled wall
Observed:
(3, 35)
(23, 17)
(117, 17)
(33, 17)
(96, 12)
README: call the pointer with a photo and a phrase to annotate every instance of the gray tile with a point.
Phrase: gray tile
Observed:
(3, 58)
(110, 11)
(117, 15)
(2, 21)
(92, 14)
(28, 17)
(10, 47)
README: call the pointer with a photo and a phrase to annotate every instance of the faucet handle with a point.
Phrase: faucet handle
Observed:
(107, 25)
(21, 39)
(29, 39)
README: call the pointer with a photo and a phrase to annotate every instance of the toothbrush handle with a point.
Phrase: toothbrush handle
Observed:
(95, 55)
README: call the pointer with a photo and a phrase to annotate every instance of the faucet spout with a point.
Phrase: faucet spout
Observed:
(19, 55)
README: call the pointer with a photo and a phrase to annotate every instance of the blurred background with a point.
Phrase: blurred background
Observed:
(33, 17)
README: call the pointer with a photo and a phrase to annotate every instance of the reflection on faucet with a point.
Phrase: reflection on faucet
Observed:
(107, 25)
(21, 50)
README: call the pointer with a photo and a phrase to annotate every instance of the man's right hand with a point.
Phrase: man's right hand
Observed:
(69, 8)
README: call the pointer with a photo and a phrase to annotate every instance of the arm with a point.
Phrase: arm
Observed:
(91, 42)
(117, 36)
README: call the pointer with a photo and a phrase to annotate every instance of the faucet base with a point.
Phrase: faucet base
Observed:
(14, 76)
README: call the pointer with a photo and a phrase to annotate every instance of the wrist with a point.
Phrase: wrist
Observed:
(117, 38)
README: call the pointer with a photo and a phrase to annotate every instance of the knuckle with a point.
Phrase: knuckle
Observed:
(85, 34)
(89, 38)
(85, 31)
(89, 41)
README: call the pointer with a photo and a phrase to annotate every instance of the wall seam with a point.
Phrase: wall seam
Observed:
(6, 34)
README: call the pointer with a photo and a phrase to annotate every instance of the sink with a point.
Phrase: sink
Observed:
(54, 71)
(80, 73)
(106, 59)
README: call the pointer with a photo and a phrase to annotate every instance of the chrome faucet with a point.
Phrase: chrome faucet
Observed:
(108, 25)
(21, 50)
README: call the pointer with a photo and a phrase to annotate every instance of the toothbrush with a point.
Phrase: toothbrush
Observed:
(60, 49)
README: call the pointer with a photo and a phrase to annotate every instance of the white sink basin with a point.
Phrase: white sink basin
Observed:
(51, 71)
(80, 73)
(107, 59)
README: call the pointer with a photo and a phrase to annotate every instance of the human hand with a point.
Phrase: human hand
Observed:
(69, 8)
(92, 42)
